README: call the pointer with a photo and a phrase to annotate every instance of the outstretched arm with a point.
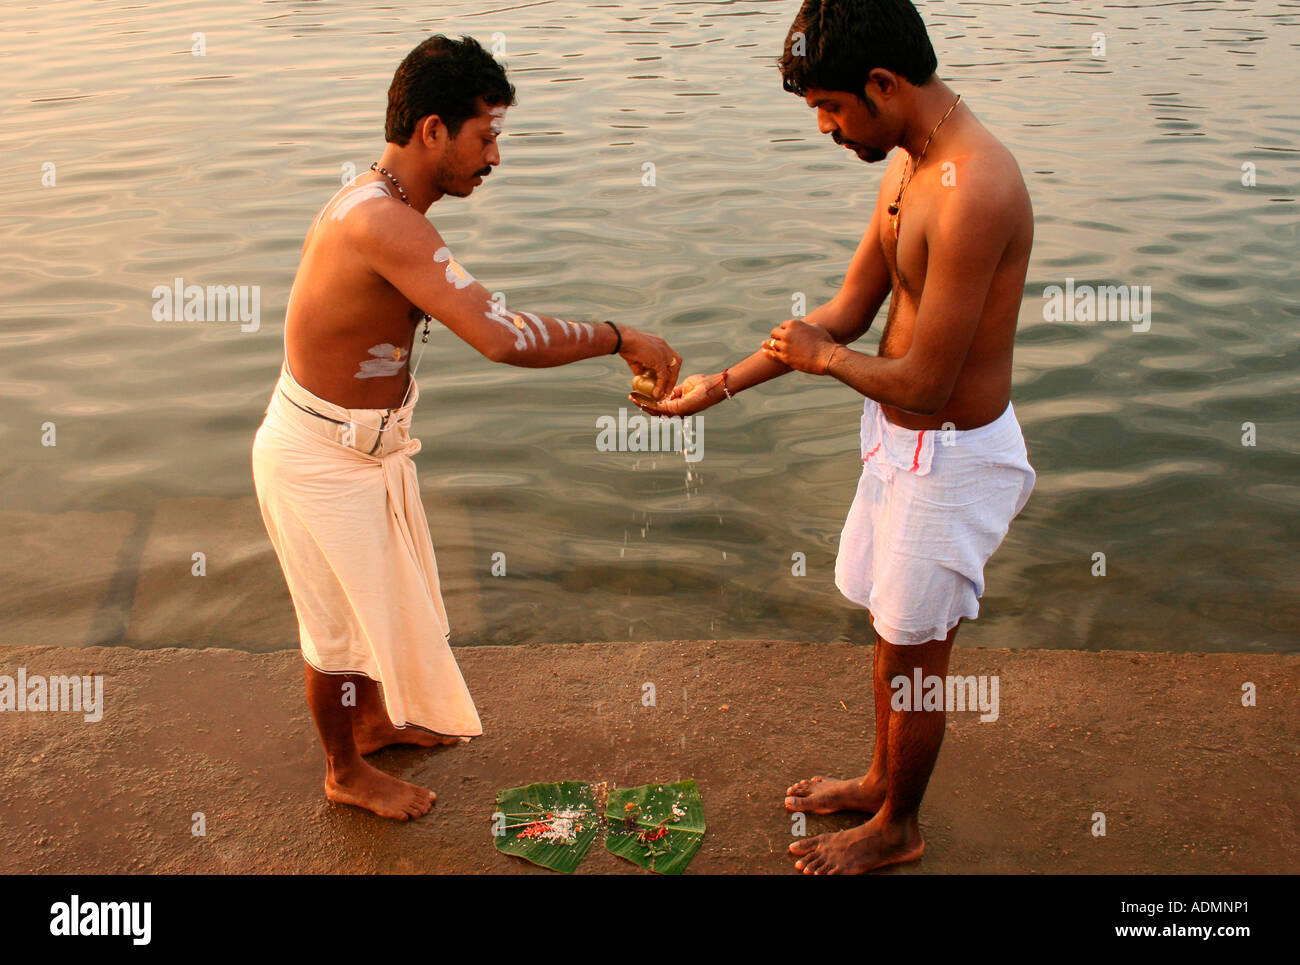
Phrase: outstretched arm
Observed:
(407, 251)
(845, 319)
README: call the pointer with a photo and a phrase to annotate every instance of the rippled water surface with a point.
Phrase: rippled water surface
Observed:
(210, 168)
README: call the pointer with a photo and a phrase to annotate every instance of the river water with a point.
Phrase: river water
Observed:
(145, 143)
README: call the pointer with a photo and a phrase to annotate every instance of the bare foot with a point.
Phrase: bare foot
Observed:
(825, 795)
(858, 850)
(370, 736)
(366, 787)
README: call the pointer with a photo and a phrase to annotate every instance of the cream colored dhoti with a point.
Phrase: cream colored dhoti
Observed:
(341, 502)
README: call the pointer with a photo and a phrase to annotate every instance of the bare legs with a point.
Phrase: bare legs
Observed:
(348, 778)
(824, 795)
(906, 748)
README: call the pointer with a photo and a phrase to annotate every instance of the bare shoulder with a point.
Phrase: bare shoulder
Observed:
(982, 189)
(391, 225)
(988, 170)
(353, 212)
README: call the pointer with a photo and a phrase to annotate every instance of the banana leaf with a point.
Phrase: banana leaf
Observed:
(656, 826)
(552, 825)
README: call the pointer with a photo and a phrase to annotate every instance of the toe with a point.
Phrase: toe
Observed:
(805, 846)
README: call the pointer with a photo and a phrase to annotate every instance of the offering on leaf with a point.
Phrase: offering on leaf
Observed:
(656, 826)
(551, 825)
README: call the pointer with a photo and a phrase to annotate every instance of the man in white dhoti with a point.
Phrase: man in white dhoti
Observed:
(944, 468)
(332, 460)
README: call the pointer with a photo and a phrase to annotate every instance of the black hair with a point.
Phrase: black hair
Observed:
(844, 40)
(444, 77)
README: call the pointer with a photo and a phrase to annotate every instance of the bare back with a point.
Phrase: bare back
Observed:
(348, 332)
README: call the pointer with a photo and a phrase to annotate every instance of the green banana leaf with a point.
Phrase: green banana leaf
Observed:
(632, 813)
(560, 845)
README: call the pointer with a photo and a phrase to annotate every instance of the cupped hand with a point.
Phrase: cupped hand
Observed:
(695, 394)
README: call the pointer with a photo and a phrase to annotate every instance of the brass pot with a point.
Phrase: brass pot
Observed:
(643, 387)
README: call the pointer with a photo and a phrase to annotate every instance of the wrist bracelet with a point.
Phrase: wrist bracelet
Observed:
(827, 367)
(618, 333)
(725, 390)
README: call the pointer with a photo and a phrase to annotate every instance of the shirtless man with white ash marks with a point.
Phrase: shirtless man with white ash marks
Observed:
(373, 270)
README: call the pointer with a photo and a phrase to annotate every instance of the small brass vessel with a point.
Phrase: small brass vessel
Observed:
(643, 386)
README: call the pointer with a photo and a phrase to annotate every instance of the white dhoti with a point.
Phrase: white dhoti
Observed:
(931, 507)
(341, 502)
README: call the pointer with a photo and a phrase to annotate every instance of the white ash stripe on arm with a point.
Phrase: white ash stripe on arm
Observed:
(541, 326)
(532, 336)
(494, 313)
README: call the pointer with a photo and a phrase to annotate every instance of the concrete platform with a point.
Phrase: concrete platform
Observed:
(1189, 780)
